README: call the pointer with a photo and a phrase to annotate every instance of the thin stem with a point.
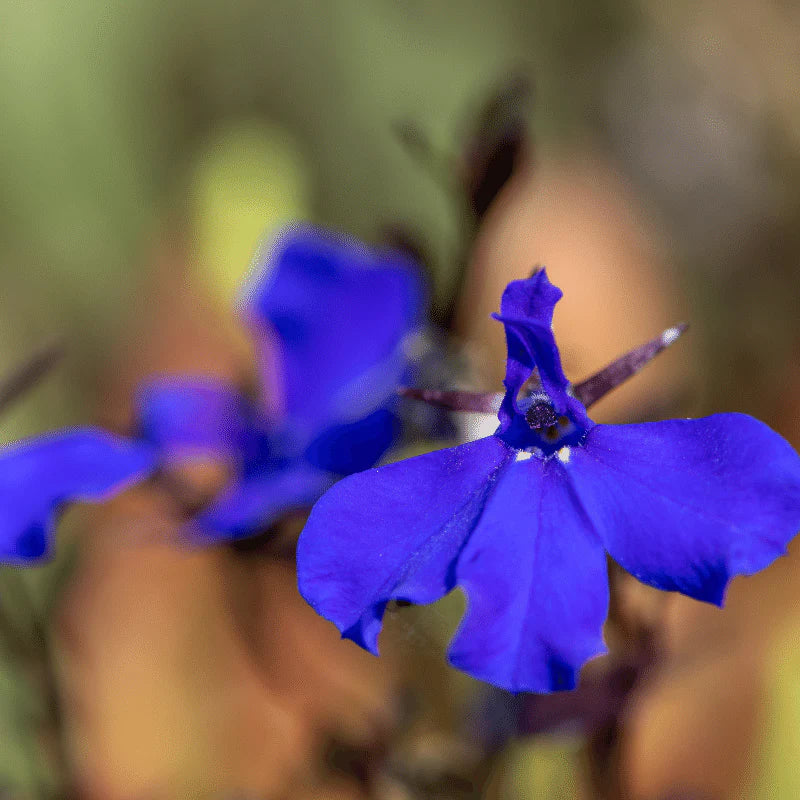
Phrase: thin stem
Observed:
(23, 377)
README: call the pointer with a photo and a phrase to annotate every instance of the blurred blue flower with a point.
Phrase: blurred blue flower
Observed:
(40, 475)
(332, 321)
(522, 520)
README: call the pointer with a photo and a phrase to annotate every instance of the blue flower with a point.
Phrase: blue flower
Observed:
(331, 319)
(40, 475)
(522, 520)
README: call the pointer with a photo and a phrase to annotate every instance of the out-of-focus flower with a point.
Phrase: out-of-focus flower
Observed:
(40, 475)
(522, 520)
(332, 320)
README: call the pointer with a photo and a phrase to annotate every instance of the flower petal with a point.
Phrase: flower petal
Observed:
(254, 502)
(341, 312)
(534, 573)
(39, 475)
(526, 311)
(187, 417)
(685, 505)
(354, 446)
(394, 533)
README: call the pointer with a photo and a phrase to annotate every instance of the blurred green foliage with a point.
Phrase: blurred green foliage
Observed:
(545, 767)
(777, 771)
(105, 106)
(31, 758)
(249, 181)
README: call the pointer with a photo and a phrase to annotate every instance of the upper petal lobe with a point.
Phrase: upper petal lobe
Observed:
(526, 311)
(341, 312)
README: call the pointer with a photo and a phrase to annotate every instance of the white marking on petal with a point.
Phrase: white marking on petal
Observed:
(670, 335)
(523, 455)
(563, 455)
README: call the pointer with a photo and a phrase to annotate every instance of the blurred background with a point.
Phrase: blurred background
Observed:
(649, 156)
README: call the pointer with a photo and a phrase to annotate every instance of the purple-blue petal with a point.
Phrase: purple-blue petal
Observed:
(534, 573)
(526, 311)
(685, 505)
(253, 502)
(189, 417)
(354, 446)
(39, 475)
(394, 533)
(341, 311)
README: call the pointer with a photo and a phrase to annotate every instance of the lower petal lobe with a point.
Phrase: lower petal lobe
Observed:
(394, 533)
(354, 446)
(40, 475)
(685, 505)
(256, 500)
(535, 578)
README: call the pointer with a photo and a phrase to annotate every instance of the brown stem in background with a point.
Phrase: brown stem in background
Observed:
(499, 145)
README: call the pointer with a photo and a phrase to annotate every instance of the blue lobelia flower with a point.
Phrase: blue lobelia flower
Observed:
(331, 320)
(522, 520)
(38, 476)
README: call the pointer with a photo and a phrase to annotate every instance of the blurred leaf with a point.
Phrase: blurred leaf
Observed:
(542, 768)
(247, 181)
(777, 772)
(499, 144)
(30, 763)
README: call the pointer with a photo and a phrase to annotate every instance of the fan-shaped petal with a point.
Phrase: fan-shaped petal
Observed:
(394, 533)
(685, 505)
(534, 573)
